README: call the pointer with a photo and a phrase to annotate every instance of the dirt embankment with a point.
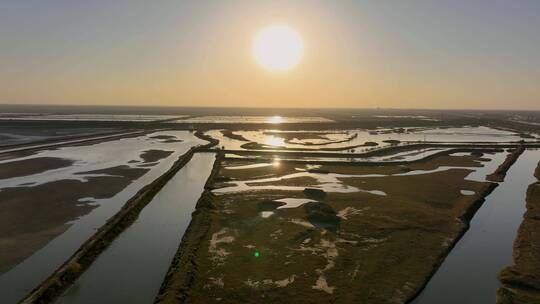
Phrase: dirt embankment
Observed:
(212, 141)
(181, 273)
(522, 280)
(500, 172)
(81, 260)
(392, 262)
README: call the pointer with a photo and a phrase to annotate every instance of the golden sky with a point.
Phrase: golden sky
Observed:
(484, 54)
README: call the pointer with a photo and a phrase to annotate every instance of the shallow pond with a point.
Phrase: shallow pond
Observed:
(328, 182)
(132, 268)
(469, 272)
(28, 140)
(104, 155)
(253, 119)
(331, 182)
(407, 156)
(271, 140)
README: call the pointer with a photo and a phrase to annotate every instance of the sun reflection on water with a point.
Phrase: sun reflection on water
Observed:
(275, 119)
(274, 141)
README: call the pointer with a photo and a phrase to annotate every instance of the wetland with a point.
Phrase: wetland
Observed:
(196, 207)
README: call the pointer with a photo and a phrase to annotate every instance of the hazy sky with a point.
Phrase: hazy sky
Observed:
(422, 54)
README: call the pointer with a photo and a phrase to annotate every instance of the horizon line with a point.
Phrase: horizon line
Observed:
(264, 108)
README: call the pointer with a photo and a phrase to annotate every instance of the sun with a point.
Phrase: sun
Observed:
(278, 48)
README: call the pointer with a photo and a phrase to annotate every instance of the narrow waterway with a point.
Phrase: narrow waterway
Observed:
(23, 278)
(132, 268)
(469, 272)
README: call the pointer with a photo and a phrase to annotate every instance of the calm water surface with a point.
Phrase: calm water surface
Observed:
(469, 273)
(20, 280)
(132, 268)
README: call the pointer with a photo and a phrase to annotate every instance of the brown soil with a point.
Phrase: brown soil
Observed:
(151, 156)
(12, 155)
(32, 166)
(45, 210)
(164, 137)
(123, 171)
(167, 138)
(352, 248)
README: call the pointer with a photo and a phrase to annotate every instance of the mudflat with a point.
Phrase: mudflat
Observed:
(153, 155)
(32, 166)
(30, 217)
(336, 247)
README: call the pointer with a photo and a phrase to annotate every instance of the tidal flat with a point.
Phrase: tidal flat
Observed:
(247, 245)
(341, 211)
(54, 199)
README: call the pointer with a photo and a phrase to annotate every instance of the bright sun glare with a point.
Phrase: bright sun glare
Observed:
(278, 47)
(275, 120)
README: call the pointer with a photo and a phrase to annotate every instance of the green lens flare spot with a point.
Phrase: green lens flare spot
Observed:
(256, 254)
